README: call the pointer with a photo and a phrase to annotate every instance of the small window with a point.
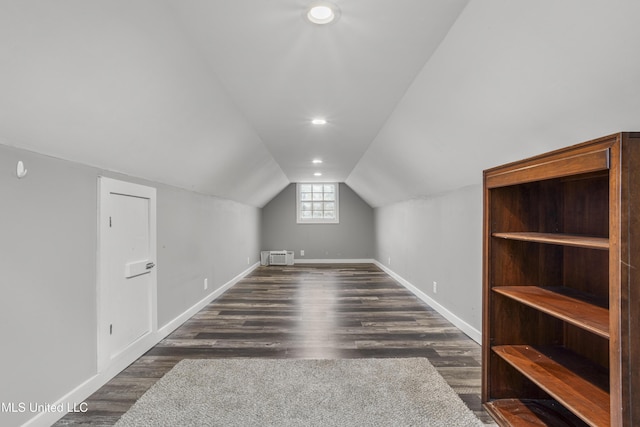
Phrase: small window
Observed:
(317, 203)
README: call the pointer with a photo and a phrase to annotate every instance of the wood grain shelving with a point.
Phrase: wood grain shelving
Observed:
(572, 309)
(533, 413)
(560, 340)
(558, 239)
(574, 391)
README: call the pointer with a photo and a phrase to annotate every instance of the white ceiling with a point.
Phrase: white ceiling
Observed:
(216, 96)
(282, 71)
(512, 79)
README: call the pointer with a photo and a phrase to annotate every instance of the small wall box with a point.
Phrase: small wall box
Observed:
(561, 287)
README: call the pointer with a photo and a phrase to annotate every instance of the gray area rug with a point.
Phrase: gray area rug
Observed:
(268, 392)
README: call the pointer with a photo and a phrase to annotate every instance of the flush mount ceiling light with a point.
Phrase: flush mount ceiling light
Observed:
(317, 174)
(316, 161)
(319, 121)
(322, 12)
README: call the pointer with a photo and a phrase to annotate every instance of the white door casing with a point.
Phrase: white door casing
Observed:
(127, 278)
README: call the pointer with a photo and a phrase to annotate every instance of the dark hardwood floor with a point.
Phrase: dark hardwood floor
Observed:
(303, 311)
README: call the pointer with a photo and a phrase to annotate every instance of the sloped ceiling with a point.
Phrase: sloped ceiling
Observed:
(511, 80)
(216, 96)
(115, 84)
(283, 71)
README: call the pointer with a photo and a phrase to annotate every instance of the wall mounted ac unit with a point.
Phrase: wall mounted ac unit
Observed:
(281, 258)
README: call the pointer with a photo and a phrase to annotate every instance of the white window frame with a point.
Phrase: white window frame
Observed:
(299, 202)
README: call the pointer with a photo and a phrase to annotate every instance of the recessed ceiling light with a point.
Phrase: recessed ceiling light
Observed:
(319, 121)
(317, 174)
(316, 161)
(322, 12)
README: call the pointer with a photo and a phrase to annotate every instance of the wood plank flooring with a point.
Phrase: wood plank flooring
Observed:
(319, 311)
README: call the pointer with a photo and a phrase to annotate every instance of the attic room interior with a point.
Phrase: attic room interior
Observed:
(385, 151)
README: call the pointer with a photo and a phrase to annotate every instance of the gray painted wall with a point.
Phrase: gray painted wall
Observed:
(200, 236)
(437, 239)
(352, 238)
(48, 241)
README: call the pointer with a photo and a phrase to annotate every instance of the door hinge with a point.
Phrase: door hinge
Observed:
(111, 329)
(109, 222)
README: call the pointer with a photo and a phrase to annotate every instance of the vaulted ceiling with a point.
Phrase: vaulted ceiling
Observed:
(217, 96)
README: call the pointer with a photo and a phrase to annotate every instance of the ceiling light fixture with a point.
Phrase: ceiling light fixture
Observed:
(322, 12)
(316, 161)
(319, 121)
(317, 174)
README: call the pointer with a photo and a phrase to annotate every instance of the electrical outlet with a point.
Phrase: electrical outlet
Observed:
(389, 263)
(206, 283)
(248, 260)
(301, 252)
(435, 287)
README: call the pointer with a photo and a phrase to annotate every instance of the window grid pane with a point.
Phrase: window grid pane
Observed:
(318, 202)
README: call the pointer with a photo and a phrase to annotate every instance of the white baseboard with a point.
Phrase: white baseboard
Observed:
(74, 399)
(334, 261)
(469, 330)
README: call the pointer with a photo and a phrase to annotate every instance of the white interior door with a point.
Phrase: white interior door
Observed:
(129, 279)
(127, 285)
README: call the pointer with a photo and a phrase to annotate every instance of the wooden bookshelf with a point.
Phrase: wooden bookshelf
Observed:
(560, 283)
